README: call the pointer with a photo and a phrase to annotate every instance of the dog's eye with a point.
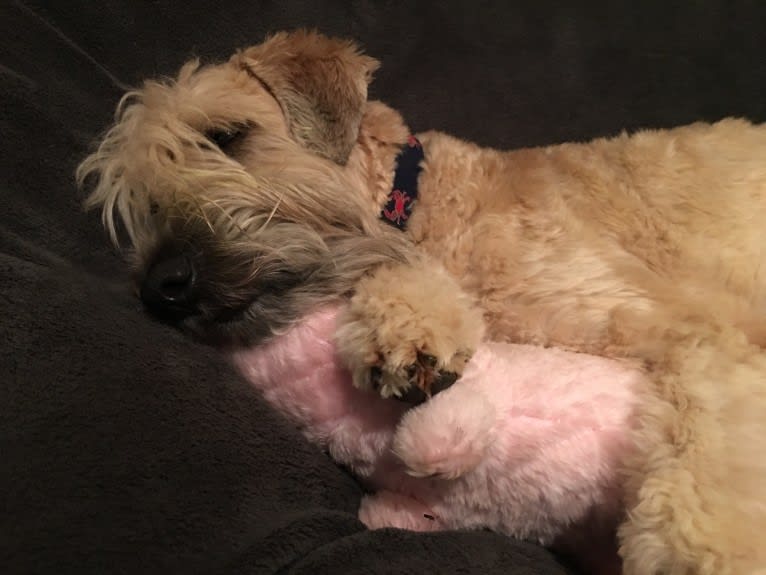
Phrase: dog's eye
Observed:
(226, 137)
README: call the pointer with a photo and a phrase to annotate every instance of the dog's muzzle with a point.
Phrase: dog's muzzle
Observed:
(168, 289)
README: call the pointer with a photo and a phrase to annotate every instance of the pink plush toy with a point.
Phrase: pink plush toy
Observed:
(527, 443)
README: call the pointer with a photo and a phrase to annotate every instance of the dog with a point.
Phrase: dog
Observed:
(256, 190)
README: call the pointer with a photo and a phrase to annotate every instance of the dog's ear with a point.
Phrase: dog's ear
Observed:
(320, 84)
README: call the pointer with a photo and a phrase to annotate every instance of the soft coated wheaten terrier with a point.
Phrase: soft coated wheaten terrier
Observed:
(255, 190)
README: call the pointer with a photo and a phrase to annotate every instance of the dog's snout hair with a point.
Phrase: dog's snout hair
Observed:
(234, 162)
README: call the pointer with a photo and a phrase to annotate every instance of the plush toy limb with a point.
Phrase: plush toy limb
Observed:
(448, 435)
(389, 509)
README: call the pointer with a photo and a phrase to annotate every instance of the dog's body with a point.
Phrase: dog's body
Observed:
(269, 173)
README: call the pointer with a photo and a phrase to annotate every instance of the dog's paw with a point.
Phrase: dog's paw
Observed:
(408, 332)
(411, 367)
(417, 381)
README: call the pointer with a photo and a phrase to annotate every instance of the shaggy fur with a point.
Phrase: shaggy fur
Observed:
(268, 172)
(527, 443)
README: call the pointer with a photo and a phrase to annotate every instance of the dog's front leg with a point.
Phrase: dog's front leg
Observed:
(408, 326)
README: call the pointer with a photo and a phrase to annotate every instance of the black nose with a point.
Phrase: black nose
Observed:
(168, 288)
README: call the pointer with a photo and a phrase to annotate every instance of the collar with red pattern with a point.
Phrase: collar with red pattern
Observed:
(404, 192)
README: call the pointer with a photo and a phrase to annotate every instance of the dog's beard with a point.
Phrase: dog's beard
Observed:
(248, 288)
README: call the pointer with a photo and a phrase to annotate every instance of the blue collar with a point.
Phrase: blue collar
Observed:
(404, 192)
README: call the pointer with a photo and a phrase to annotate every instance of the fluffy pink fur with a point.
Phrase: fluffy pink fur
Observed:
(527, 443)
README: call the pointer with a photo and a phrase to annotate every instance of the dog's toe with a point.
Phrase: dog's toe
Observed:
(395, 338)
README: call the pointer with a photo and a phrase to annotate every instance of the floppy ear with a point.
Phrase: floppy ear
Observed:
(320, 83)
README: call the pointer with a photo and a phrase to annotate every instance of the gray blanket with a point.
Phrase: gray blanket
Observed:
(125, 448)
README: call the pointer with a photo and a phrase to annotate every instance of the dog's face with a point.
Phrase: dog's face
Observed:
(229, 183)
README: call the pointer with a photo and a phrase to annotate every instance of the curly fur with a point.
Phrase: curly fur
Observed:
(647, 246)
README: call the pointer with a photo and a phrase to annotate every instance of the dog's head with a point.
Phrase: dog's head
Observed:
(229, 183)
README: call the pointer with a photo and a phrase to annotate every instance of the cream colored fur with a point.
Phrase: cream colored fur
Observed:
(650, 245)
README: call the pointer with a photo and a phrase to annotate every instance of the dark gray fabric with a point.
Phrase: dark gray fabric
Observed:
(127, 449)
